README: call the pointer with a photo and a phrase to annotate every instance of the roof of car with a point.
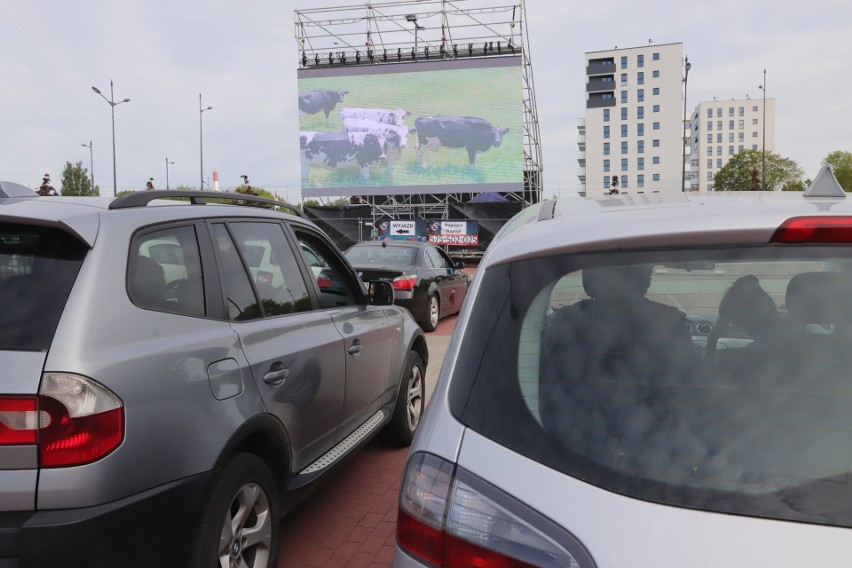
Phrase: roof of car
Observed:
(392, 243)
(642, 221)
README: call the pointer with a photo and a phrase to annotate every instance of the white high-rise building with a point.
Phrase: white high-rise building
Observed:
(634, 121)
(722, 129)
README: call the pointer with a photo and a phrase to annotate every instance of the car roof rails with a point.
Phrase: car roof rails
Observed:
(143, 198)
(12, 189)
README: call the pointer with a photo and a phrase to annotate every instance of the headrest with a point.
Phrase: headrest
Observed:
(609, 281)
(820, 297)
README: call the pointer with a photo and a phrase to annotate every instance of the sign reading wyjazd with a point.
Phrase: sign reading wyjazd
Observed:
(451, 233)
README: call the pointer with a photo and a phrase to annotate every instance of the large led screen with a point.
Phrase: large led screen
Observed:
(406, 128)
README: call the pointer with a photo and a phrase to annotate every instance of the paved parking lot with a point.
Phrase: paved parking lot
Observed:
(351, 519)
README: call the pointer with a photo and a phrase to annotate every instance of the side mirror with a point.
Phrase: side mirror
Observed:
(459, 264)
(381, 293)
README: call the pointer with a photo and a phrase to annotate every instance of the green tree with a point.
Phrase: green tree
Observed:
(75, 180)
(737, 174)
(841, 163)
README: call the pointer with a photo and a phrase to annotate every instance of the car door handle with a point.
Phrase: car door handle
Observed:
(275, 377)
(355, 348)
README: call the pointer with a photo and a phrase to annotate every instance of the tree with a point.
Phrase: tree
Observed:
(75, 180)
(841, 163)
(737, 174)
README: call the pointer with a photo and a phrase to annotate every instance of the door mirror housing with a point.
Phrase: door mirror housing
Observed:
(381, 293)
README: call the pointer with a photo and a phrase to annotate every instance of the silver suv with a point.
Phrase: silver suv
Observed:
(640, 381)
(174, 376)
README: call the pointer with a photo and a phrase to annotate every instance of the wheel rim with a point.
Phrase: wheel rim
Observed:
(246, 539)
(415, 397)
(433, 311)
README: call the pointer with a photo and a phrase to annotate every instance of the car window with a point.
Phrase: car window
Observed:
(165, 271)
(273, 270)
(333, 283)
(716, 381)
(437, 258)
(38, 267)
(390, 256)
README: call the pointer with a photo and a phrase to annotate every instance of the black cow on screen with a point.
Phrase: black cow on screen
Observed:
(341, 149)
(474, 134)
(311, 102)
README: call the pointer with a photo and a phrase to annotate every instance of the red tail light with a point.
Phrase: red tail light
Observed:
(405, 282)
(816, 230)
(18, 420)
(73, 420)
(323, 282)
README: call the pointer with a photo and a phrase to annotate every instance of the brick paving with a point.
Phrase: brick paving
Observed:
(350, 521)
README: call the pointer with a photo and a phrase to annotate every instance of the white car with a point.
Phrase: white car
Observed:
(583, 418)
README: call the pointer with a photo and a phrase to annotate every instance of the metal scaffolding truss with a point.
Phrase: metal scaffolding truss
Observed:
(398, 33)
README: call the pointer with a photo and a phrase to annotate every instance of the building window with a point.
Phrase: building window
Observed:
(719, 163)
(709, 138)
(741, 124)
(754, 134)
(741, 136)
(754, 146)
(623, 182)
(709, 150)
(606, 165)
(655, 73)
(623, 79)
(606, 115)
(640, 164)
(754, 121)
(655, 91)
(640, 95)
(709, 163)
(731, 124)
(606, 148)
(655, 177)
(623, 130)
(718, 125)
(709, 176)
(730, 136)
(730, 150)
(640, 112)
(623, 164)
(606, 182)
(623, 97)
(718, 150)
(740, 148)
(655, 160)
(623, 113)
(640, 78)
(709, 113)
(655, 143)
(655, 125)
(640, 60)
(719, 112)
(656, 108)
(640, 146)
(742, 111)
(709, 125)
(640, 129)
(624, 62)
(730, 111)
(624, 146)
(655, 56)
(606, 131)
(754, 108)
(719, 138)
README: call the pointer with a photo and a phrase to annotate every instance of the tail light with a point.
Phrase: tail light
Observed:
(452, 518)
(406, 282)
(323, 282)
(74, 420)
(816, 230)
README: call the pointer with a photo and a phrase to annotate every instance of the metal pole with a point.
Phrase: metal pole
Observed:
(167, 171)
(687, 66)
(112, 104)
(91, 164)
(763, 165)
(201, 138)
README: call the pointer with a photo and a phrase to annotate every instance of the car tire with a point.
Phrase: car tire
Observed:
(240, 523)
(433, 314)
(410, 402)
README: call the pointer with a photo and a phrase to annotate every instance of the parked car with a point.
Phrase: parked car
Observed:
(426, 280)
(174, 377)
(577, 421)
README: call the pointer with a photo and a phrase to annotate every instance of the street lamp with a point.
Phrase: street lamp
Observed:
(167, 171)
(112, 104)
(201, 110)
(91, 164)
(687, 66)
(763, 149)
(413, 19)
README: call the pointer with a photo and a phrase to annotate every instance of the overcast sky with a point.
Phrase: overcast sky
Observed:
(242, 58)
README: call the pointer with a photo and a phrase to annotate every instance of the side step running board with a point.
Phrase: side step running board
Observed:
(352, 441)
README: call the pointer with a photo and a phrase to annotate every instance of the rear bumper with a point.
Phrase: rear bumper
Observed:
(154, 528)
(417, 304)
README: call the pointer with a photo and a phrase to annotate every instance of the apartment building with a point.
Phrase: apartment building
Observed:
(721, 129)
(634, 120)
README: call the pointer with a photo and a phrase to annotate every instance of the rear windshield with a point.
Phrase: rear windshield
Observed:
(396, 257)
(715, 380)
(38, 266)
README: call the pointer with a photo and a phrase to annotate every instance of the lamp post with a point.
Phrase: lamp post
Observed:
(91, 164)
(687, 66)
(112, 103)
(167, 171)
(763, 149)
(413, 19)
(201, 110)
